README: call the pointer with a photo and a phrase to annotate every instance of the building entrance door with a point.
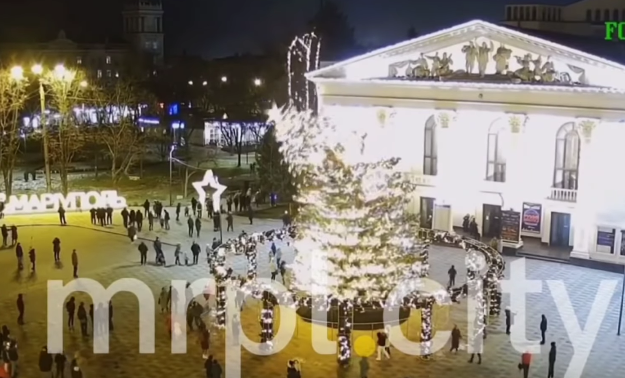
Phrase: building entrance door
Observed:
(426, 212)
(491, 221)
(560, 229)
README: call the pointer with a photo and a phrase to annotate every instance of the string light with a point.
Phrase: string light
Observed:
(252, 264)
(221, 278)
(426, 328)
(305, 50)
(345, 332)
(267, 321)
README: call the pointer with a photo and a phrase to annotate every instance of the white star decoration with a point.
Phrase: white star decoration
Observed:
(212, 181)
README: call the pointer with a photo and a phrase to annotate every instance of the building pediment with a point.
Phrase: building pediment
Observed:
(481, 52)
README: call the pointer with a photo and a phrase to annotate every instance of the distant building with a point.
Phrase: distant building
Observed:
(139, 50)
(584, 18)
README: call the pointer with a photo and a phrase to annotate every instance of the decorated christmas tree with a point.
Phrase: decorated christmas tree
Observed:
(353, 236)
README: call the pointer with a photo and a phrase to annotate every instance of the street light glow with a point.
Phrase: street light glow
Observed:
(190, 82)
(258, 82)
(59, 70)
(17, 73)
(204, 83)
(224, 79)
(83, 84)
(37, 69)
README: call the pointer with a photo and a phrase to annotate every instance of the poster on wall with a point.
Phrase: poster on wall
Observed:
(532, 217)
(605, 240)
(511, 226)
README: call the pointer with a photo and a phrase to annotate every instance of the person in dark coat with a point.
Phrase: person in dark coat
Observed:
(139, 220)
(190, 226)
(75, 263)
(92, 212)
(509, 316)
(455, 339)
(32, 255)
(230, 221)
(543, 329)
(216, 370)
(204, 341)
(45, 361)
(178, 211)
(552, 359)
(59, 362)
(13, 235)
(82, 318)
(150, 221)
(125, 215)
(76, 371)
(5, 235)
(19, 254)
(70, 307)
(195, 250)
(20, 309)
(61, 212)
(250, 215)
(208, 366)
(56, 248)
(452, 276)
(132, 216)
(146, 206)
(193, 205)
(109, 215)
(143, 251)
(198, 226)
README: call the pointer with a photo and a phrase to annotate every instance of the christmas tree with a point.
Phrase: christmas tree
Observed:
(353, 235)
(273, 172)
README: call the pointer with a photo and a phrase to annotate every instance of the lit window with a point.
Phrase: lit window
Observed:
(430, 150)
(108, 60)
(148, 45)
(108, 73)
(566, 167)
(495, 157)
(155, 45)
(99, 74)
(79, 60)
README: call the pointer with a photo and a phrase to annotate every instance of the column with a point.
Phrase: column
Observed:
(584, 225)
(515, 174)
(446, 177)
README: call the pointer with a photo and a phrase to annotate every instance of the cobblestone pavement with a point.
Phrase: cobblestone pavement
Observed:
(109, 256)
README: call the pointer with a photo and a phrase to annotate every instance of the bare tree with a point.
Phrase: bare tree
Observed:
(67, 136)
(193, 165)
(232, 136)
(12, 98)
(118, 109)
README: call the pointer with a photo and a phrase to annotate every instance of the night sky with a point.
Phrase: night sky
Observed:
(219, 28)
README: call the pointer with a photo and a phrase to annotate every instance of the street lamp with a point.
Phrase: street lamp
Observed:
(17, 73)
(205, 83)
(224, 79)
(258, 82)
(190, 82)
(171, 168)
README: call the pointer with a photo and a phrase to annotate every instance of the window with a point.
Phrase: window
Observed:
(108, 60)
(430, 150)
(495, 156)
(606, 15)
(559, 14)
(509, 13)
(597, 15)
(615, 15)
(533, 13)
(588, 15)
(99, 74)
(109, 73)
(159, 28)
(148, 45)
(515, 13)
(544, 14)
(566, 167)
(155, 45)
(79, 60)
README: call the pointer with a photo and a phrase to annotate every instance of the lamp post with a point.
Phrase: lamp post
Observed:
(171, 168)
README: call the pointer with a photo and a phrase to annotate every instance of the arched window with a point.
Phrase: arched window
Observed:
(430, 150)
(597, 15)
(495, 156)
(566, 167)
(588, 15)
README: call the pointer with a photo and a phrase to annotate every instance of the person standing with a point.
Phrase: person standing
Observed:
(195, 250)
(190, 226)
(543, 329)
(250, 215)
(177, 253)
(508, 319)
(166, 219)
(273, 269)
(61, 212)
(382, 346)
(59, 362)
(178, 212)
(150, 221)
(19, 254)
(455, 339)
(45, 362)
(75, 263)
(230, 222)
(5, 235)
(208, 367)
(552, 359)
(76, 371)
(111, 315)
(216, 369)
(452, 276)
(125, 214)
(146, 206)
(13, 235)
(32, 255)
(82, 318)
(56, 248)
(198, 226)
(139, 220)
(193, 205)
(70, 307)
(20, 309)
(526, 360)
(143, 251)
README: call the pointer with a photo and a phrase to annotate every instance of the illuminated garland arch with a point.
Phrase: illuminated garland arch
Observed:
(479, 284)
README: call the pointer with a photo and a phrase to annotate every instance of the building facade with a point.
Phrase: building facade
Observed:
(518, 132)
(140, 49)
(583, 18)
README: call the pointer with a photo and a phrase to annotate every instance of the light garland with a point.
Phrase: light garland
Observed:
(252, 264)
(346, 313)
(305, 50)
(221, 278)
(267, 321)
(426, 328)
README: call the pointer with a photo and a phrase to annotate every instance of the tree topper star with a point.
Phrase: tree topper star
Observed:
(212, 181)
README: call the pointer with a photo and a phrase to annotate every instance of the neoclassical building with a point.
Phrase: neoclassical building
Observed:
(521, 133)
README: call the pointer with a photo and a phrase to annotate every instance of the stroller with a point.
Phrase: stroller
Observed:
(160, 258)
